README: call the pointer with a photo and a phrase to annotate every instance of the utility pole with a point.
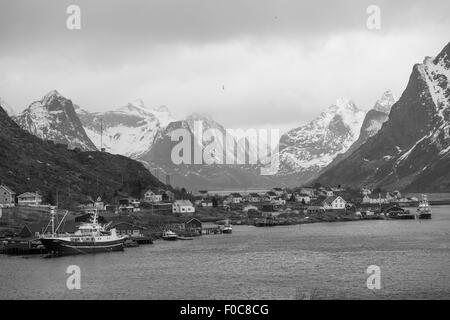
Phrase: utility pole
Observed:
(101, 135)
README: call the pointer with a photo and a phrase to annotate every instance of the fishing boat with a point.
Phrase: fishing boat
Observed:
(91, 237)
(227, 228)
(424, 209)
(169, 235)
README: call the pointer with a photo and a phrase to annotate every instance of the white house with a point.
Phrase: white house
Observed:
(7, 197)
(182, 206)
(236, 197)
(334, 203)
(303, 198)
(29, 199)
(307, 190)
(367, 199)
(254, 197)
(153, 197)
(250, 207)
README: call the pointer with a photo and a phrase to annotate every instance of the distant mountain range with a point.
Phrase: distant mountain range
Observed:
(142, 133)
(394, 144)
(411, 151)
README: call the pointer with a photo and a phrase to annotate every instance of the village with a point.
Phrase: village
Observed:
(24, 217)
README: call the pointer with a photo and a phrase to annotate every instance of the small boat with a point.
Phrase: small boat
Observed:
(169, 235)
(227, 228)
(185, 238)
(424, 209)
(90, 237)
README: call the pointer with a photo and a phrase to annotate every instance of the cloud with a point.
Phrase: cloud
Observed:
(247, 63)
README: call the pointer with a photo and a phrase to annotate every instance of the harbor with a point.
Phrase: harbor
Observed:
(282, 262)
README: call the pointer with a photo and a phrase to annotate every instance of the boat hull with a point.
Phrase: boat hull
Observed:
(170, 238)
(227, 231)
(425, 215)
(60, 247)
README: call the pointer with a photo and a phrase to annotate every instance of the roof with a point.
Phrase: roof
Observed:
(183, 202)
(271, 193)
(192, 220)
(253, 194)
(329, 200)
(7, 189)
(29, 194)
(278, 189)
(117, 223)
(236, 194)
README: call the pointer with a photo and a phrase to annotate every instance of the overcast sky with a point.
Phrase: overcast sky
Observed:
(247, 63)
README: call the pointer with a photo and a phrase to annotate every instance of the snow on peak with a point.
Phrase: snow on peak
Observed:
(50, 96)
(385, 103)
(7, 108)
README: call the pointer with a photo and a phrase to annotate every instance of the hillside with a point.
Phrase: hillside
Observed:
(30, 164)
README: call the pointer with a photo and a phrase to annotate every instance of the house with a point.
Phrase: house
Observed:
(271, 195)
(168, 196)
(334, 203)
(129, 205)
(278, 201)
(303, 198)
(128, 229)
(250, 208)
(315, 209)
(7, 197)
(99, 204)
(236, 197)
(278, 191)
(308, 191)
(29, 199)
(153, 197)
(366, 199)
(366, 191)
(254, 197)
(206, 203)
(182, 206)
(193, 226)
(393, 196)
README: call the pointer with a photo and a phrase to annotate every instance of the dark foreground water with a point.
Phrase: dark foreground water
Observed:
(322, 261)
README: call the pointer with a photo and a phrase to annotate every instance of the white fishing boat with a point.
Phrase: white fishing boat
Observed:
(424, 209)
(90, 237)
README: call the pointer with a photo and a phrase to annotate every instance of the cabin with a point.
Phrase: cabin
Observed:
(183, 206)
(7, 197)
(153, 197)
(29, 199)
(334, 203)
(250, 208)
(128, 229)
(193, 226)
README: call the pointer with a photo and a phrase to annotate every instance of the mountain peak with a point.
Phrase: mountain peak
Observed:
(342, 104)
(385, 103)
(50, 95)
(162, 109)
(137, 103)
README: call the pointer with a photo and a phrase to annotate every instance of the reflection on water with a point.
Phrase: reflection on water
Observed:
(321, 261)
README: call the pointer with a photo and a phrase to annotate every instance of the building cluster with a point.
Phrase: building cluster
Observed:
(9, 199)
(368, 197)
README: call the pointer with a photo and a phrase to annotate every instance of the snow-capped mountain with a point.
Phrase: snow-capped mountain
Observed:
(9, 110)
(309, 148)
(201, 175)
(54, 118)
(128, 130)
(372, 123)
(412, 149)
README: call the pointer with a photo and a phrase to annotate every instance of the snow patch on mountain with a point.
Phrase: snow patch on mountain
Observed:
(9, 110)
(316, 144)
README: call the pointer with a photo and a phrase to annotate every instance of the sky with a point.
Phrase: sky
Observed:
(246, 63)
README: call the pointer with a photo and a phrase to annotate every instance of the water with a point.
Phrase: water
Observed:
(321, 261)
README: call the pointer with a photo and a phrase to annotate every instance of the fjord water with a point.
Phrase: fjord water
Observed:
(320, 261)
